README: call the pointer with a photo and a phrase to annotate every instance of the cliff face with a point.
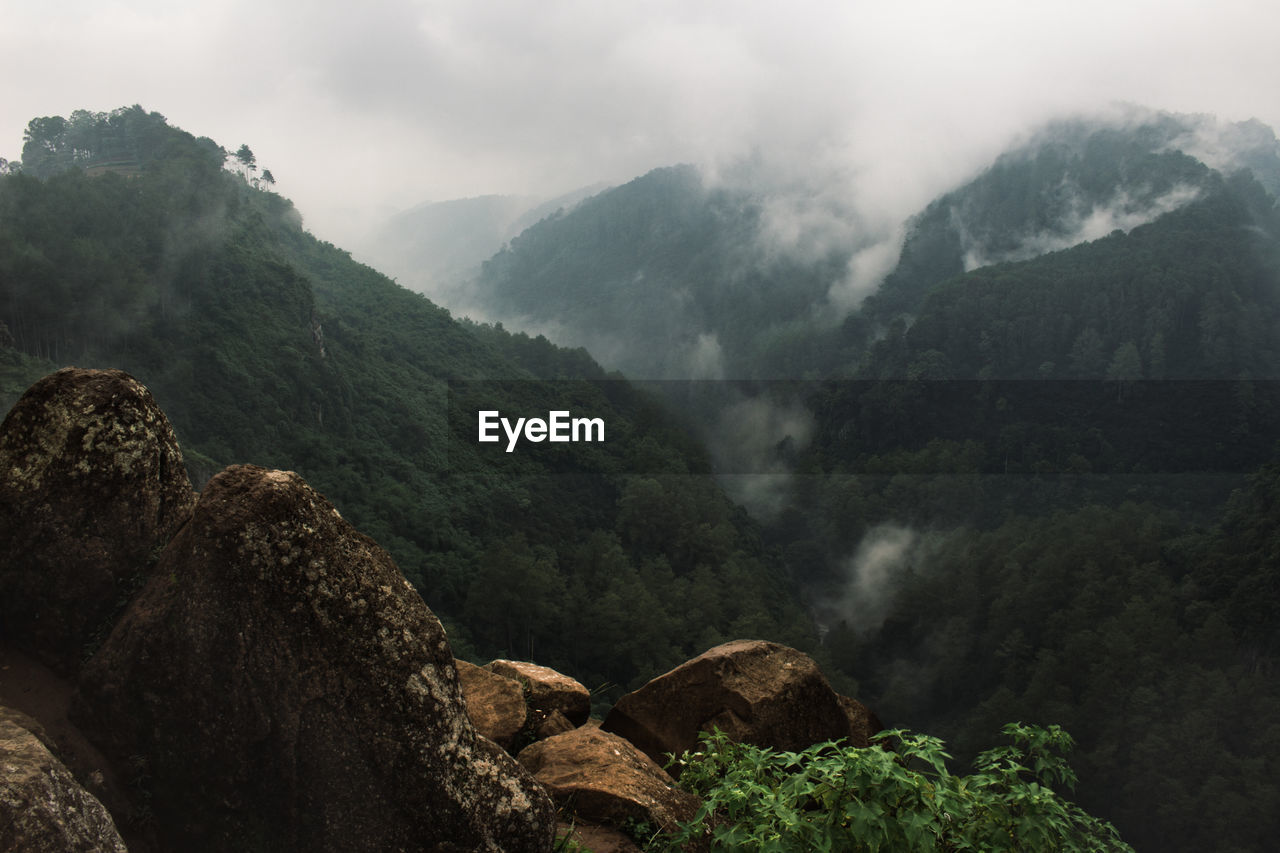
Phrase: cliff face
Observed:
(277, 684)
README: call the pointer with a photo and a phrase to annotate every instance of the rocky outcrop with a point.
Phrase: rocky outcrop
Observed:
(42, 807)
(757, 692)
(91, 485)
(549, 690)
(604, 779)
(279, 685)
(495, 703)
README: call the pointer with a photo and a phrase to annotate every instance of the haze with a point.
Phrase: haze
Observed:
(364, 110)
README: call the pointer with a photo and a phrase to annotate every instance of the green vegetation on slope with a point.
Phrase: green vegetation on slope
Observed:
(665, 278)
(1042, 456)
(264, 345)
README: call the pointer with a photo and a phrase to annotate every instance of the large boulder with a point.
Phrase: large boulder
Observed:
(495, 703)
(279, 685)
(549, 690)
(91, 486)
(42, 807)
(757, 692)
(603, 779)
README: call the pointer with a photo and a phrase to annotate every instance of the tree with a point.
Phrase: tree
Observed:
(248, 162)
(1125, 368)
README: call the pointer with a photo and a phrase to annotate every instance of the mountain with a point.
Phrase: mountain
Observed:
(437, 246)
(1040, 494)
(1031, 478)
(665, 277)
(675, 276)
(1013, 497)
(1073, 182)
(128, 243)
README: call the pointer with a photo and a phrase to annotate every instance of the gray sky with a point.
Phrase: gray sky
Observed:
(362, 109)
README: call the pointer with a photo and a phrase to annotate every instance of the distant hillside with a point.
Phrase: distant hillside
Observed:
(265, 345)
(662, 278)
(1073, 181)
(436, 248)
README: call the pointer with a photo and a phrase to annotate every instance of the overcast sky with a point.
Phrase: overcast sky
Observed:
(363, 109)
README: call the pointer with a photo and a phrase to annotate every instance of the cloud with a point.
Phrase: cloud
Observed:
(1120, 212)
(870, 575)
(361, 110)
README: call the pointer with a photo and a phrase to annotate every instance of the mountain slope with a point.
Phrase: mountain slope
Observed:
(434, 248)
(267, 346)
(665, 277)
(1073, 181)
(1019, 501)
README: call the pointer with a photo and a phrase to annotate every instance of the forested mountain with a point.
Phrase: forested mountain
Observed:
(663, 278)
(1020, 499)
(436, 247)
(1073, 182)
(1033, 477)
(676, 277)
(1011, 501)
(127, 243)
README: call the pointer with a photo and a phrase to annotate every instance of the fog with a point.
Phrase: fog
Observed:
(870, 575)
(1082, 223)
(873, 109)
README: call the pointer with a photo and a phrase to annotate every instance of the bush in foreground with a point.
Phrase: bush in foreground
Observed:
(836, 797)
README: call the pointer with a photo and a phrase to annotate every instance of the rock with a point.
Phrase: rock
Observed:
(37, 699)
(548, 690)
(556, 723)
(495, 703)
(91, 486)
(863, 723)
(757, 692)
(279, 685)
(603, 779)
(42, 807)
(600, 839)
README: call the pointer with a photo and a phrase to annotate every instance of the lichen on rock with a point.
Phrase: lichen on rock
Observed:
(287, 689)
(92, 484)
(42, 807)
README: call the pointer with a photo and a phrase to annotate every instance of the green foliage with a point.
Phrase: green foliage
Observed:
(833, 797)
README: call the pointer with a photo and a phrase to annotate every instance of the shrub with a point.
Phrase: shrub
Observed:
(834, 797)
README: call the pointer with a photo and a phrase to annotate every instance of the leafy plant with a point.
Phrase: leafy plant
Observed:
(833, 796)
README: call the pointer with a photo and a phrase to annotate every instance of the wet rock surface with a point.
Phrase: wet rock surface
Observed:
(278, 685)
(92, 484)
